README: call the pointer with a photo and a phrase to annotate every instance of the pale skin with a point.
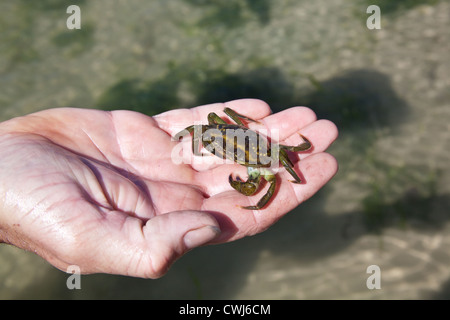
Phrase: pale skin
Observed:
(99, 189)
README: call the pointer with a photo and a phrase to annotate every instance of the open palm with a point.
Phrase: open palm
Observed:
(101, 190)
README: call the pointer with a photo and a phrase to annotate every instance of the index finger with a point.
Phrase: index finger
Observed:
(176, 120)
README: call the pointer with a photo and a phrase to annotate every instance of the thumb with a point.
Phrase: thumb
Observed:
(170, 235)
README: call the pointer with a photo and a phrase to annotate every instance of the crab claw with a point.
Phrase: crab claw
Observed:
(247, 188)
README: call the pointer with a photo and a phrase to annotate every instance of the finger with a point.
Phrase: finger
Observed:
(321, 133)
(176, 120)
(289, 121)
(317, 170)
(286, 125)
(253, 108)
(170, 235)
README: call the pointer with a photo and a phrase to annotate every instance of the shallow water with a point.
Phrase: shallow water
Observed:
(387, 90)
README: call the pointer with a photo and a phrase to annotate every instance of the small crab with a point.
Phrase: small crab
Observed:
(238, 143)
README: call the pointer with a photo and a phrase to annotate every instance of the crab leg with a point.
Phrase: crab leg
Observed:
(213, 118)
(306, 145)
(287, 163)
(237, 117)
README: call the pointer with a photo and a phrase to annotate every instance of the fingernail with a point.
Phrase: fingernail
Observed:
(197, 237)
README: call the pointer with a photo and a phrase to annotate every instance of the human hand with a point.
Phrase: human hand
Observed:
(100, 190)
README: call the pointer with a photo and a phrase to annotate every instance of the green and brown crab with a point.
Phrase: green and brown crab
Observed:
(246, 147)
